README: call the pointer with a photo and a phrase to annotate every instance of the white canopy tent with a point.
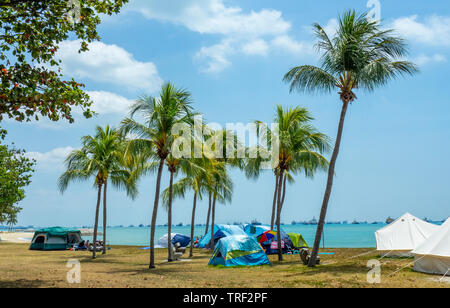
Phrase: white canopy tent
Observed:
(403, 235)
(433, 255)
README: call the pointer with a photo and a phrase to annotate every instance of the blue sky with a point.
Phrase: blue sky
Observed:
(232, 56)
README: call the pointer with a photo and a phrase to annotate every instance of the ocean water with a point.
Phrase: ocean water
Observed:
(335, 236)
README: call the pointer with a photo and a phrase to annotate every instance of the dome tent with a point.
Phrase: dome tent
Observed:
(184, 240)
(255, 230)
(238, 250)
(56, 238)
(433, 255)
(403, 235)
(220, 231)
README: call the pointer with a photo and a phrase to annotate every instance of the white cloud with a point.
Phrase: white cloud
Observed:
(109, 64)
(256, 47)
(216, 56)
(241, 32)
(424, 59)
(107, 102)
(433, 30)
(52, 160)
(286, 43)
(331, 27)
(213, 17)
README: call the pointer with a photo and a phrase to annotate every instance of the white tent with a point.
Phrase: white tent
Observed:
(433, 255)
(401, 236)
(163, 242)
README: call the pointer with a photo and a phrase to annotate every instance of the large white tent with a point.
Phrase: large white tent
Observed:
(403, 235)
(433, 255)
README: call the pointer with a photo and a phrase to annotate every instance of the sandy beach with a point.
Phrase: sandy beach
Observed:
(16, 237)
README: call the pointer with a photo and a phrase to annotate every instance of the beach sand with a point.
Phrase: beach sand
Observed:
(16, 237)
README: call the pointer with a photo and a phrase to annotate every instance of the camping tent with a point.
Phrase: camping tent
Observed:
(255, 230)
(433, 255)
(184, 240)
(219, 232)
(271, 246)
(55, 238)
(238, 250)
(404, 234)
(297, 240)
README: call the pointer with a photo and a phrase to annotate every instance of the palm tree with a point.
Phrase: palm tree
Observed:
(361, 55)
(221, 187)
(195, 173)
(154, 136)
(300, 149)
(101, 156)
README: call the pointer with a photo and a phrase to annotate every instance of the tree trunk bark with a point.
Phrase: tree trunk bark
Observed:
(169, 221)
(209, 213)
(213, 216)
(155, 213)
(275, 194)
(191, 254)
(284, 193)
(104, 217)
(97, 210)
(326, 197)
(280, 183)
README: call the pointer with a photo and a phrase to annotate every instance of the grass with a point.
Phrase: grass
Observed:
(128, 267)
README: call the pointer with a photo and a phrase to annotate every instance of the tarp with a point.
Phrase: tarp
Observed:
(238, 250)
(184, 240)
(403, 235)
(433, 255)
(297, 240)
(220, 231)
(56, 238)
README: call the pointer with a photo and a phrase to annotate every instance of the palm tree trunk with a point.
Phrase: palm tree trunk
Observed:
(284, 193)
(169, 221)
(272, 220)
(326, 197)
(192, 225)
(104, 217)
(213, 216)
(280, 184)
(209, 213)
(155, 212)
(97, 210)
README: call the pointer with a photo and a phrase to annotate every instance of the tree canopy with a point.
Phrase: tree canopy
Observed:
(15, 174)
(32, 84)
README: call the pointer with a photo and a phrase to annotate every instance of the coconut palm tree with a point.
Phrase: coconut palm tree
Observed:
(221, 187)
(154, 137)
(195, 174)
(101, 156)
(362, 55)
(300, 149)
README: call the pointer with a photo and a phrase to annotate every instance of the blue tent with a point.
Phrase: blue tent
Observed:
(220, 231)
(238, 250)
(184, 240)
(255, 230)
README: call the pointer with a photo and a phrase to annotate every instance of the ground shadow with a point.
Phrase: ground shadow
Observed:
(22, 283)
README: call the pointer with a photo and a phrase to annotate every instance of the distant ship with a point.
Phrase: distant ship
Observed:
(256, 223)
(355, 222)
(180, 224)
(389, 220)
(312, 221)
